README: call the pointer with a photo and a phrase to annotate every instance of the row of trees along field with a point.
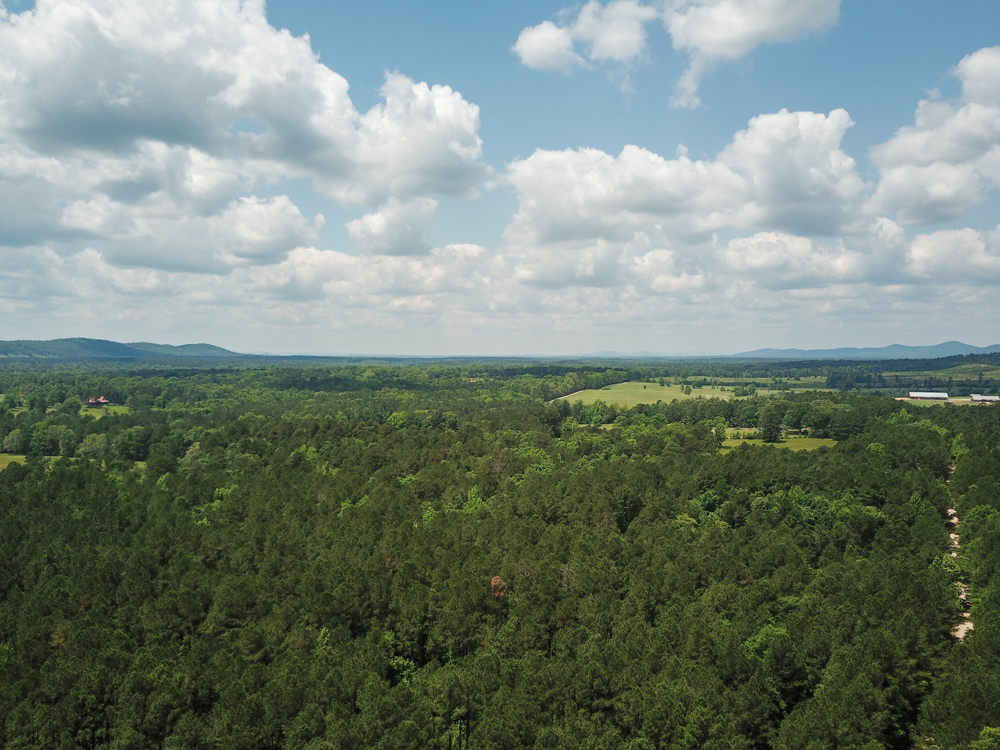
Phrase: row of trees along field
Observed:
(433, 556)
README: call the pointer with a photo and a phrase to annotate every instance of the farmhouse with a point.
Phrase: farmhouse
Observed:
(979, 398)
(929, 395)
(97, 402)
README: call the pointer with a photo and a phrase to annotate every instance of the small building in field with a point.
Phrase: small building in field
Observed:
(96, 403)
(984, 399)
(928, 396)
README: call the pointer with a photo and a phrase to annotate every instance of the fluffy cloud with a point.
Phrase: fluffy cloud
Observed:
(715, 30)
(782, 261)
(708, 31)
(956, 255)
(247, 231)
(145, 128)
(366, 282)
(140, 183)
(93, 75)
(397, 228)
(547, 47)
(643, 224)
(614, 32)
(941, 165)
(785, 171)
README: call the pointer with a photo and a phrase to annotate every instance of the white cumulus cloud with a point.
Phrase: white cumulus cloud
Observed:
(145, 129)
(715, 30)
(397, 228)
(614, 32)
(944, 163)
(547, 47)
(957, 255)
(708, 31)
(785, 171)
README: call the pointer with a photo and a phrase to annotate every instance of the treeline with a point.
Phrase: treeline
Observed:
(871, 376)
(312, 568)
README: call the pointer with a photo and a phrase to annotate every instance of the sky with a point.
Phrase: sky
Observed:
(518, 178)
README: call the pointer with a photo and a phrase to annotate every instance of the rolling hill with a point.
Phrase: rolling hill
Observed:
(92, 349)
(895, 351)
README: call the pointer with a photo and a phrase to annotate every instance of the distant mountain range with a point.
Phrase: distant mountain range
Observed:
(101, 349)
(79, 348)
(895, 351)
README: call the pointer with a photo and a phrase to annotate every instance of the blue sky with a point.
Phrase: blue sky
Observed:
(462, 178)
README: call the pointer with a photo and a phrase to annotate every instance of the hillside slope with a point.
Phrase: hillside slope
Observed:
(83, 348)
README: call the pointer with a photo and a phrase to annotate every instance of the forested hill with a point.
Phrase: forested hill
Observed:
(434, 557)
(100, 349)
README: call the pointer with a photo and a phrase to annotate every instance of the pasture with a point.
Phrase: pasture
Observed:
(968, 371)
(6, 459)
(923, 403)
(790, 443)
(633, 393)
(104, 411)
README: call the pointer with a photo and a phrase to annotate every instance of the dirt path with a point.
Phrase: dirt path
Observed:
(567, 395)
(963, 628)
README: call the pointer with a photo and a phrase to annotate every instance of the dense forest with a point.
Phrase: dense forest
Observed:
(441, 555)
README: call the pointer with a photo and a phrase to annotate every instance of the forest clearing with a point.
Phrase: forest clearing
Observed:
(631, 393)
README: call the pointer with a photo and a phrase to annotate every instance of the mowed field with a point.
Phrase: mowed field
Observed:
(960, 372)
(953, 401)
(791, 443)
(104, 411)
(633, 393)
(8, 458)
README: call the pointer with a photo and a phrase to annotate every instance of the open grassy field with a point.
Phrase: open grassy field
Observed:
(84, 410)
(923, 403)
(8, 458)
(104, 411)
(792, 443)
(961, 372)
(808, 383)
(634, 393)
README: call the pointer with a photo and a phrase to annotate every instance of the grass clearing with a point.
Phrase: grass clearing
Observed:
(634, 393)
(924, 403)
(6, 459)
(792, 443)
(104, 411)
(810, 389)
(968, 371)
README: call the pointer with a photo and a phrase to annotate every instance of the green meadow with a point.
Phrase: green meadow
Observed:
(791, 443)
(924, 403)
(967, 371)
(6, 459)
(633, 393)
(104, 411)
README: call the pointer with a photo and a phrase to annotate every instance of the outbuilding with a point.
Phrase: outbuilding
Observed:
(980, 398)
(928, 396)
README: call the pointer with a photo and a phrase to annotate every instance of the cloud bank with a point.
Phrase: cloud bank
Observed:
(126, 124)
(707, 31)
(143, 149)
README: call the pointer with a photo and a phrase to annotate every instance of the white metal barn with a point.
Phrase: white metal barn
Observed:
(929, 395)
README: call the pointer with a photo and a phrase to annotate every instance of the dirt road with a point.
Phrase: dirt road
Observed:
(963, 628)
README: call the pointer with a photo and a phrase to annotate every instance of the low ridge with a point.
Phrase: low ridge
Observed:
(84, 348)
(894, 351)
